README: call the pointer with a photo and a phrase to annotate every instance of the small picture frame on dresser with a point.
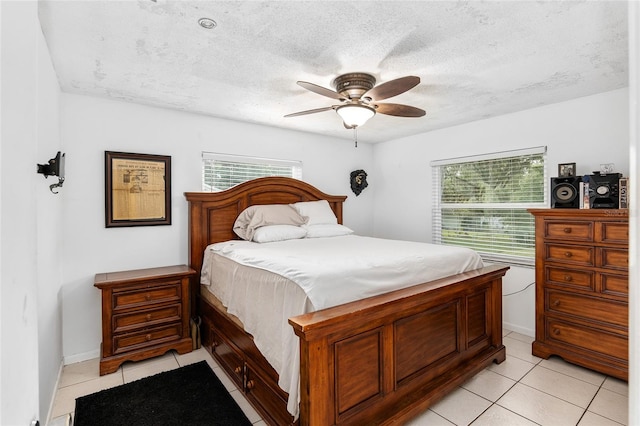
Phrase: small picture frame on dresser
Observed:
(566, 169)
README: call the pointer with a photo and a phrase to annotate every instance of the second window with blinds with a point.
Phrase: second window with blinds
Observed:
(481, 202)
(222, 171)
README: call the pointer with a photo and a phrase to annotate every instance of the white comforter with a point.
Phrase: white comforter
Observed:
(329, 271)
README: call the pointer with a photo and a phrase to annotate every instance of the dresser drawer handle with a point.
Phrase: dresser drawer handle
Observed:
(568, 278)
(148, 317)
(147, 297)
(148, 337)
(250, 384)
(556, 331)
(556, 303)
(568, 254)
(567, 230)
(238, 370)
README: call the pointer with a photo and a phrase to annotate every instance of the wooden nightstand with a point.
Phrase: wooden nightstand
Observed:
(145, 313)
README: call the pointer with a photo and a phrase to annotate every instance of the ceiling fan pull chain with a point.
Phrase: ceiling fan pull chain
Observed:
(355, 135)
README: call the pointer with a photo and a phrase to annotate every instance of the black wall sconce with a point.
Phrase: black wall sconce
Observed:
(55, 167)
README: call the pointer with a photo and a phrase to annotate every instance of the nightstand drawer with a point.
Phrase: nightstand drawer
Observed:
(575, 255)
(569, 230)
(149, 337)
(139, 319)
(146, 295)
(580, 279)
(591, 308)
(591, 339)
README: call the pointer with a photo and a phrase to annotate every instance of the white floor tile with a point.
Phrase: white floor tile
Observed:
(499, 416)
(521, 337)
(65, 398)
(193, 357)
(80, 372)
(611, 405)
(449, 407)
(247, 409)
(540, 407)
(429, 418)
(561, 366)
(592, 419)
(512, 367)
(138, 370)
(489, 385)
(616, 385)
(561, 386)
(520, 349)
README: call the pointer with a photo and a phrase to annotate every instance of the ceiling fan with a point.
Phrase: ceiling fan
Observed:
(359, 98)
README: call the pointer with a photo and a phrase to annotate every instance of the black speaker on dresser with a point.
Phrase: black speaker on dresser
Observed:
(603, 190)
(565, 192)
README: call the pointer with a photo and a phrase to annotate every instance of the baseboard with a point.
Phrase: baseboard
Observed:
(72, 359)
(518, 329)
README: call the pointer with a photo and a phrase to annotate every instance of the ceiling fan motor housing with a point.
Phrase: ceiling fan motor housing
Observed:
(354, 85)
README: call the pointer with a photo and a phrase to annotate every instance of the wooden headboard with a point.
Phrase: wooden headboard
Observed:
(212, 214)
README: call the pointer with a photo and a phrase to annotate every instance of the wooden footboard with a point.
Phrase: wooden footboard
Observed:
(385, 359)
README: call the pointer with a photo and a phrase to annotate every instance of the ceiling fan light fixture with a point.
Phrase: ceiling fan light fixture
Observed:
(355, 115)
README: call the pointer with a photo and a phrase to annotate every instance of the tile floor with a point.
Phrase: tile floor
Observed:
(523, 390)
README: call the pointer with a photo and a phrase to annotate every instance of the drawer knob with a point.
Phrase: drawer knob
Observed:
(147, 297)
(238, 370)
(568, 278)
(250, 384)
(568, 254)
(567, 230)
(148, 317)
(556, 303)
(148, 337)
(556, 331)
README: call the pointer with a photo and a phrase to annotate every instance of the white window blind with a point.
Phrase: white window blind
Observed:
(481, 202)
(222, 171)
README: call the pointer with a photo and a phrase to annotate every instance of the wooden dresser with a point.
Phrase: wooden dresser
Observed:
(582, 287)
(145, 313)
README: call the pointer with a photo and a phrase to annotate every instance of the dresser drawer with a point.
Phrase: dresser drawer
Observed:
(134, 297)
(575, 255)
(591, 339)
(147, 337)
(591, 308)
(615, 285)
(613, 258)
(229, 359)
(581, 279)
(569, 230)
(139, 319)
(614, 233)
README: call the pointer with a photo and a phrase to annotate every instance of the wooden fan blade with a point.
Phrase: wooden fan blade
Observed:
(320, 90)
(399, 110)
(309, 111)
(392, 88)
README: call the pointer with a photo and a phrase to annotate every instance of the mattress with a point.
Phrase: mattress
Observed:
(263, 285)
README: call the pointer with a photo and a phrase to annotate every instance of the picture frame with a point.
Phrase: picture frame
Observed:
(566, 169)
(137, 189)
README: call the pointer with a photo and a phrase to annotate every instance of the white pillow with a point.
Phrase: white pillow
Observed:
(254, 217)
(271, 233)
(325, 230)
(318, 212)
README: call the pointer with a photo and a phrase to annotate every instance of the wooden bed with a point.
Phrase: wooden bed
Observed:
(379, 360)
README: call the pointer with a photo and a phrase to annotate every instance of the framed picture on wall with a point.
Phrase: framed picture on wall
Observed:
(566, 169)
(137, 189)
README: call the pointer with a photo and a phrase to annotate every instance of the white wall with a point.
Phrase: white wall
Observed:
(587, 131)
(49, 208)
(90, 126)
(31, 351)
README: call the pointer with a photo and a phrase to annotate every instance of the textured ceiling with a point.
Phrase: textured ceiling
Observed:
(475, 59)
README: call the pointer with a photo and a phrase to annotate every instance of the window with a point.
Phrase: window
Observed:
(481, 202)
(220, 171)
